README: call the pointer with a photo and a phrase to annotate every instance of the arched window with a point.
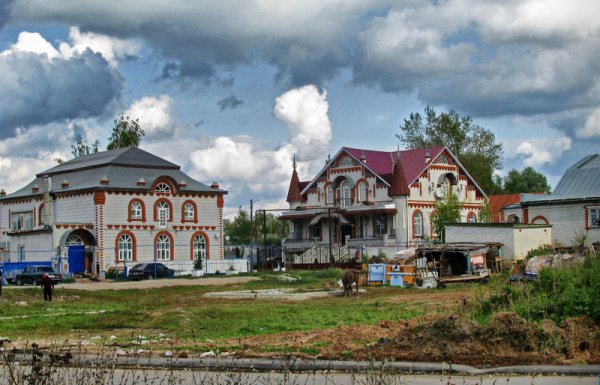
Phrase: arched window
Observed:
(162, 213)
(432, 218)
(329, 194)
(188, 213)
(199, 247)
(417, 224)
(73, 240)
(471, 217)
(345, 162)
(162, 188)
(441, 159)
(345, 191)
(125, 248)
(42, 215)
(513, 218)
(135, 211)
(540, 220)
(163, 247)
(362, 192)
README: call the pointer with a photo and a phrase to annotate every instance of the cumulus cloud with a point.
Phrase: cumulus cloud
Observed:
(112, 49)
(540, 152)
(304, 111)
(39, 86)
(154, 115)
(230, 102)
(591, 129)
(244, 160)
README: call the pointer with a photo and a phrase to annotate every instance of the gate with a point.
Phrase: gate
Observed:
(77, 259)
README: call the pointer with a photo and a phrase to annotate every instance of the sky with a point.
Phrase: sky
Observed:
(233, 90)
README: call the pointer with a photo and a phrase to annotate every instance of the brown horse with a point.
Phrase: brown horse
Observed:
(348, 278)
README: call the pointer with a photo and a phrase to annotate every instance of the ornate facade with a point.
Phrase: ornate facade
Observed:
(114, 208)
(376, 198)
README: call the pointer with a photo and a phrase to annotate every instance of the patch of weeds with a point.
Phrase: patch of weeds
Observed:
(322, 344)
(346, 353)
(310, 351)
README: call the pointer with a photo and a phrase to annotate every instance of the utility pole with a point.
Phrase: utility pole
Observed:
(329, 228)
(264, 238)
(251, 229)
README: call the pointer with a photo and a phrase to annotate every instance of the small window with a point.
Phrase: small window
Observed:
(441, 159)
(136, 211)
(21, 221)
(21, 253)
(471, 218)
(345, 189)
(329, 194)
(346, 162)
(199, 247)
(189, 212)
(73, 240)
(162, 188)
(594, 216)
(125, 247)
(418, 224)
(163, 247)
(362, 192)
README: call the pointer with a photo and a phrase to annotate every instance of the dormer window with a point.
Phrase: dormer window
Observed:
(162, 188)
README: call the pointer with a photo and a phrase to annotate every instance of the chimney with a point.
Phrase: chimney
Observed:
(427, 157)
(141, 181)
(363, 157)
(214, 185)
(2, 193)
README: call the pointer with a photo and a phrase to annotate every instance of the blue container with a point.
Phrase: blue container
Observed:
(376, 273)
(396, 279)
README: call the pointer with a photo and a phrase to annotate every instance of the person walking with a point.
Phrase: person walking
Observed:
(47, 285)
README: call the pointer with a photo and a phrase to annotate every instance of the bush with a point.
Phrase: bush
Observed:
(557, 294)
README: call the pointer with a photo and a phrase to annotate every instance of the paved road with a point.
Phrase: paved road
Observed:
(85, 376)
(147, 284)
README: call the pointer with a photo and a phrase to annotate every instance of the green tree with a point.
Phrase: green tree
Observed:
(276, 230)
(81, 147)
(526, 181)
(239, 229)
(125, 133)
(474, 146)
(447, 210)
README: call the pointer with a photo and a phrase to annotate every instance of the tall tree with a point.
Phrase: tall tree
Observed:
(474, 146)
(81, 147)
(447, 210)
(239, 229)
(126, 132)
(525, 181)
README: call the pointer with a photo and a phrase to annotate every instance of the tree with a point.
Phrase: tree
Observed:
(81, 147)
(526, 181)
(239, 229)
(125, 133)
(474, 146)
(446, 210)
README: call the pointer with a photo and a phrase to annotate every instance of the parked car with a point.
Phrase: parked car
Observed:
(34, 274)
(147, 270)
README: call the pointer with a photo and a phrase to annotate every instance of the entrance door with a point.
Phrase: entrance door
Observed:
(77, 259)
(346, 230)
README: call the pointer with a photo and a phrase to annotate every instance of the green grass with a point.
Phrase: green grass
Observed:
(183, 313)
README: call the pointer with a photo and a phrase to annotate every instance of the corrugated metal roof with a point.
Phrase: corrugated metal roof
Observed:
(580, 181)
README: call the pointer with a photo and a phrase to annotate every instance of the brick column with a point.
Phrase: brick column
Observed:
(99, 200)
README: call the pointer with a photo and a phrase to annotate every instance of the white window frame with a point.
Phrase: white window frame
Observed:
(136, 210)
(163, 248)
(594, 216)
(189, 212)
(362, 192)
(345, 194)
(163, 188)
(418, 224)
(125, 248)
(21, 221)
(199, 247)
(329, 194)
(74, 240)
(163, 213)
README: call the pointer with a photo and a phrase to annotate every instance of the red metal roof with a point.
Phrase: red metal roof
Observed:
(382, 162)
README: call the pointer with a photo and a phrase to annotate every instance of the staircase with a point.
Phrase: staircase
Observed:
(320, 254)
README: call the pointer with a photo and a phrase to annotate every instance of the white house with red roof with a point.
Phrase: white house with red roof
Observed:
(374, 199)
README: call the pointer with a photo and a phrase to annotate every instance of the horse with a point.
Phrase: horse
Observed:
(348, 278)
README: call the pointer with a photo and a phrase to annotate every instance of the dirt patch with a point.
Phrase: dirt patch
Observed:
(505, 340)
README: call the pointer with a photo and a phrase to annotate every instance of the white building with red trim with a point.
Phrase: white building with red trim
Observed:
(375, 199)
(114, 208)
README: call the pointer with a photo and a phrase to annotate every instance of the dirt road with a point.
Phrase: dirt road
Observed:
(153, 283)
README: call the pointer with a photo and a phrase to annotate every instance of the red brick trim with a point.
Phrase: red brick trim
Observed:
(206, 238)
(99, 197)
(141, 202)
(40, 209)
(133, 239)
(473, 214)
(165, 179)
(541, 218)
